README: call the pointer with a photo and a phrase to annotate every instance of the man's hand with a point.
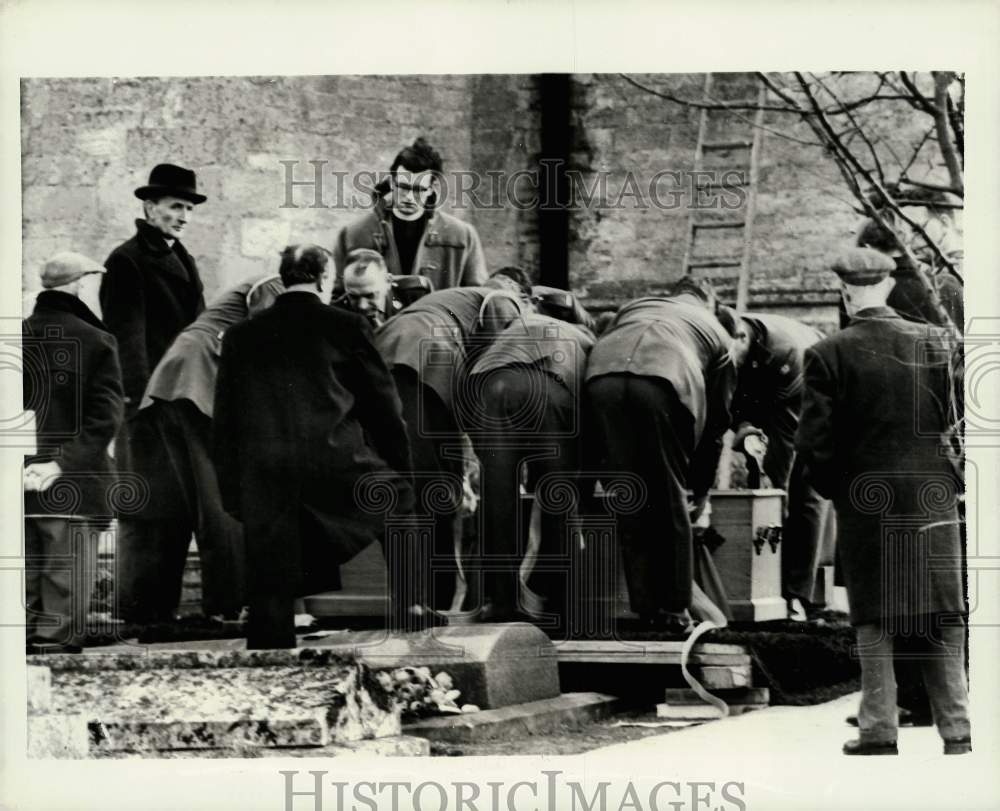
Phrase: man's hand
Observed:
(40, 476)
(746, 430)
(697, 507)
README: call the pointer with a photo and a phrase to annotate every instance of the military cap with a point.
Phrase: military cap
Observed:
(862, 266)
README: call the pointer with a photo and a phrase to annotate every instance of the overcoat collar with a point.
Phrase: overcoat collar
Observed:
(58, 301)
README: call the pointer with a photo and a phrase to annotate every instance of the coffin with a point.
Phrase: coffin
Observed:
(749, 562)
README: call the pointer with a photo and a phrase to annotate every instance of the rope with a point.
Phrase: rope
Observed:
(700, 630)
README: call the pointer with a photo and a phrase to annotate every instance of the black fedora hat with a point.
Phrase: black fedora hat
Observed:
(174, 181)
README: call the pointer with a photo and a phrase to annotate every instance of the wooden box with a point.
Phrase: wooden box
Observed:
(749, 562)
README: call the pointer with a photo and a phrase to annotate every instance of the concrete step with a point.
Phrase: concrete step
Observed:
(570, 710)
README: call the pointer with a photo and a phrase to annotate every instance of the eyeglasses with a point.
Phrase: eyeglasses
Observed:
(414, 190)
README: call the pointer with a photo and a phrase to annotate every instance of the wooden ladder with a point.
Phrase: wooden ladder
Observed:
(728, 147)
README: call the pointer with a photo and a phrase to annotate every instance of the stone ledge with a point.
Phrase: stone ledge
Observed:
(309, 730)
(530, 718)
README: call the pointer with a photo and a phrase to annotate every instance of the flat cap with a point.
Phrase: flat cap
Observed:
(862, 266)
(67, 267)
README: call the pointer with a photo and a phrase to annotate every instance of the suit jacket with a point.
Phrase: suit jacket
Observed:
(441, 335)
(769, 386)
(450, 253)
(72, 382)
(188, 368)
(304, 409)
(874, 413)
(681, 342)
(558, 348)
(151, 291)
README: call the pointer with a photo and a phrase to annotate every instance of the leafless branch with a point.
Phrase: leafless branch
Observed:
(942, 81)
(918, 99)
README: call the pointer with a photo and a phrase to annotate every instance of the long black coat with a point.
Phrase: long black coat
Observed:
(73, 384)
(874, 411)
(304, 408)
(151, 291)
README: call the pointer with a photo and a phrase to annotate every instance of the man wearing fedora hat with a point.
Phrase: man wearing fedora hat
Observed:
(151, 291)
(872, 435)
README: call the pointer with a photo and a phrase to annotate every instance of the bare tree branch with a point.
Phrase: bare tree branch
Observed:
(919, 100)
(855, 168)
(858, 129)
(942, 81)
(702, 105)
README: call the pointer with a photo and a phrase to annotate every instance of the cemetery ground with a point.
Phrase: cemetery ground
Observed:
(190, 689)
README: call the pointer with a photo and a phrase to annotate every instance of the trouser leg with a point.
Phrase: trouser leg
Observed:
(68, 570)
(802, 535)
(877, 716)
(219, 536)
(431, 430)
(150, 558)
(646, 432)
(34, 551)
(943, 667)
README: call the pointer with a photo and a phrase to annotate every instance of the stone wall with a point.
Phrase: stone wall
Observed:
(87, 143)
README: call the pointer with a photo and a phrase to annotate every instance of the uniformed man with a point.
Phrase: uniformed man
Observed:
(526, 385)
(429, 347)
(660, 382)
(872, 436)
(370, 291)
(769, 351)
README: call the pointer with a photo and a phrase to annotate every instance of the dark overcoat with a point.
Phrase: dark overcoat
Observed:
(769, 386)
(72, 382)
(151, 291)
(874, 412)
(304, 409)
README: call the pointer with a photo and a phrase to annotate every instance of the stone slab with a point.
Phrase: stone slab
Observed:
(220, 733)
(354, 705)
(58, 735)
(531, 718)
(39, 688)
(723, 678)
(749, 695)
(702, 712)
(493, 665)
(189, 656)
(651, 652)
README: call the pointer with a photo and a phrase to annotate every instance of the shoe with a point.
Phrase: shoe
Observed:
(859, 747)
(906, 719)
(957, 746)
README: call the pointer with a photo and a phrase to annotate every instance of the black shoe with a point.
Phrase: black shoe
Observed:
(958, 746)
(859, 747)
(672, 624)
(906, 719)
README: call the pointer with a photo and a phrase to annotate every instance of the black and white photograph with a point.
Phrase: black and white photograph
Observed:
(400, 427)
